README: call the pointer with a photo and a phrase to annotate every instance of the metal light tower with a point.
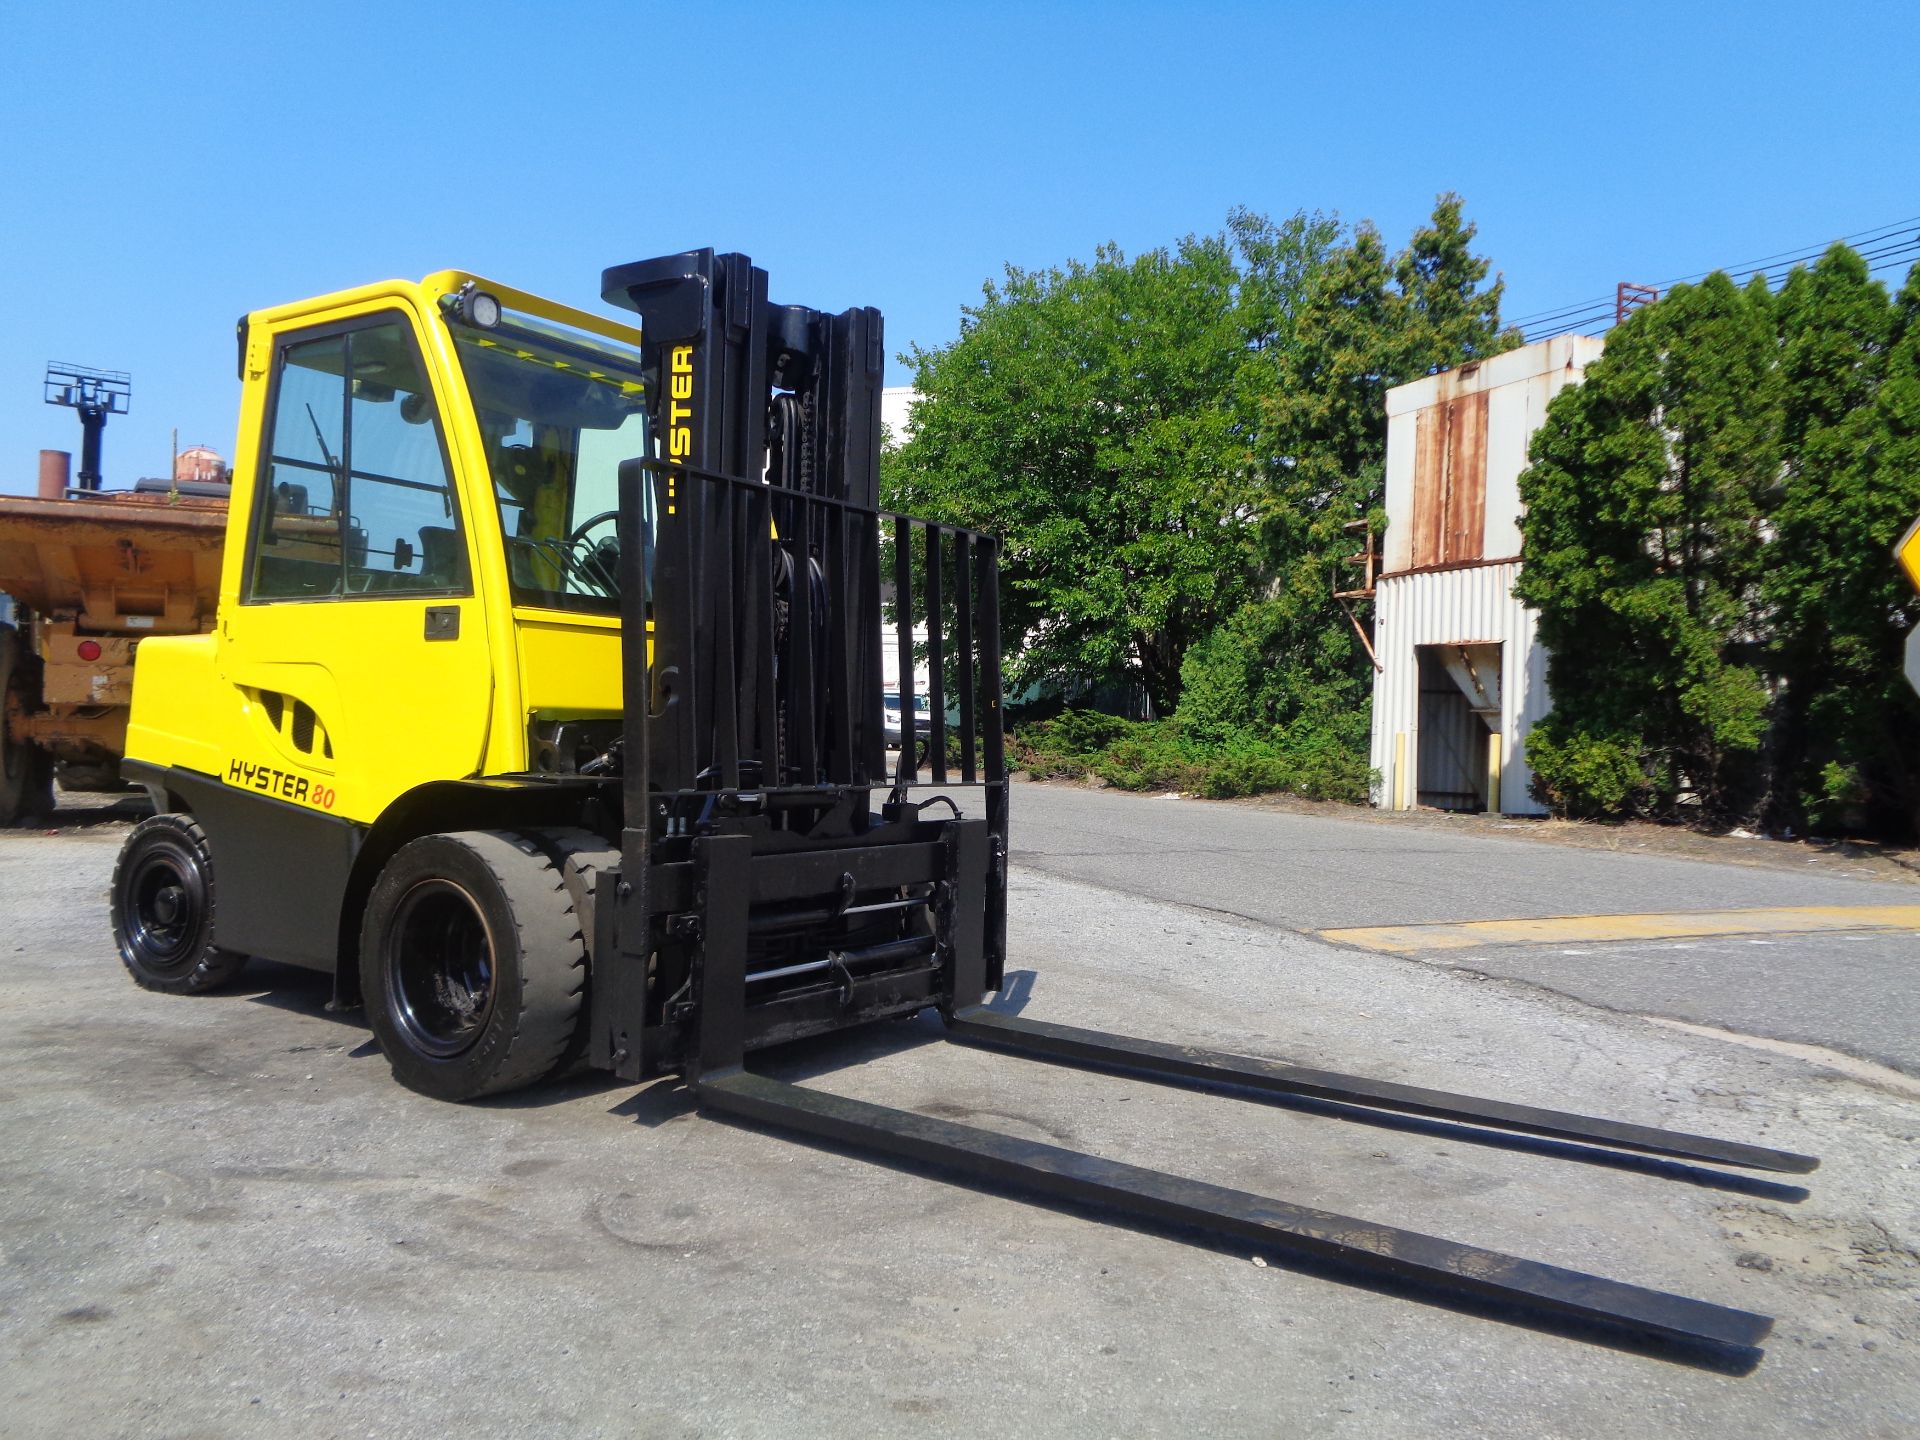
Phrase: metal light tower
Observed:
(96, 394)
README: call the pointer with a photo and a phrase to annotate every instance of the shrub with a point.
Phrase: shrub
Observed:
(1166, 755)
(1585, 776)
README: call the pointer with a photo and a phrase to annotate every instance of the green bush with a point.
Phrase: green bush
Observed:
(1585, 776)
(1165, 755)
(1843, 795)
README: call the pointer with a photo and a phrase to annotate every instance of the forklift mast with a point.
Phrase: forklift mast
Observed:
(775, 879)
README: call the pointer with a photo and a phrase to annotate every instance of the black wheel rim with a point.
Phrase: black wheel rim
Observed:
(166, 906)
(440, 969)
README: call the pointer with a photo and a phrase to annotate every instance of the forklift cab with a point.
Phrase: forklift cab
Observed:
(420, 585)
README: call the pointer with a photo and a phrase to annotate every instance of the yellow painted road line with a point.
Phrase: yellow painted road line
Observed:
(1588, 929)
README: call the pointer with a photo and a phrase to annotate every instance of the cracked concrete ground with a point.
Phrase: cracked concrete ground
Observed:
(219, 1216)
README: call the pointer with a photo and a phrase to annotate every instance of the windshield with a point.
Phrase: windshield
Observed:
(559, 410)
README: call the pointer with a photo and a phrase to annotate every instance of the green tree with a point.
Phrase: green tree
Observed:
(1895, 765)
(1643, 554)
(1315, 421)
(1172, 445)
(1449, 317)
(1085, 415)
(1836, 515)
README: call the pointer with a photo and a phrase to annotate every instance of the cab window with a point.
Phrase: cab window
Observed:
(356, 500)
(559, 412)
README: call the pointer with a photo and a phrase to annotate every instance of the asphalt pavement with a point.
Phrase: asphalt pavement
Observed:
(1314, 871)
(1854, 993)
(220, 1217)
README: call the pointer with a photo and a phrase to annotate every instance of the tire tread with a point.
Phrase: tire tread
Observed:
(215, 967)
(549, 951)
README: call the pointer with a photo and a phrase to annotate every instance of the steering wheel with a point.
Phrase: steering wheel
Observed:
(581, 530)
(595, 562)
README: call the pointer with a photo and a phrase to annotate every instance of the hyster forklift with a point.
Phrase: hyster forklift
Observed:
(544, 713)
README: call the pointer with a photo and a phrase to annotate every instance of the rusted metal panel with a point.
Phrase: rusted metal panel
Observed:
(1466, 488)
(1429, 481)
(1473, 425)
(1450, 481)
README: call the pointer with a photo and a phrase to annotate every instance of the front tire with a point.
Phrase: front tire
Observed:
(473, 967)
(163, 906)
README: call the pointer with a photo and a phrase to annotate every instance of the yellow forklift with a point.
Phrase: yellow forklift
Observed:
(544, 713)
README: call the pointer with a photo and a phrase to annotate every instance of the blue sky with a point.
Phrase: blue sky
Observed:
(164, 168)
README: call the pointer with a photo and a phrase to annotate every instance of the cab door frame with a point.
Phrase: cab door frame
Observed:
(286, 823)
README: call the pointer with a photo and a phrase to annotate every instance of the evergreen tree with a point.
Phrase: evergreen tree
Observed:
(1891, 760)
(1450, 319)
(1829, 585)
(1643, 556)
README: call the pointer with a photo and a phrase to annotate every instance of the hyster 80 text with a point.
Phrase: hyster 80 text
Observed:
(281, 784)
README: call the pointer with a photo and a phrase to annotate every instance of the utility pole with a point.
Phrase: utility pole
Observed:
(1628, 297)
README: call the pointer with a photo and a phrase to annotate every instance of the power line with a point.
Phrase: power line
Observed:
(1527, 322)
(1598, 314)
(1581, 310)
(1805, 252)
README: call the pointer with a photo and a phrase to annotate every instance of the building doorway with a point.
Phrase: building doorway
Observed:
(1457, 764)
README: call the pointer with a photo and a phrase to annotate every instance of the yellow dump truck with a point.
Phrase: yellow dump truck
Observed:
(92, 574)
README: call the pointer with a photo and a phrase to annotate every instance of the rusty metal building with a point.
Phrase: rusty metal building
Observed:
(1461, 677)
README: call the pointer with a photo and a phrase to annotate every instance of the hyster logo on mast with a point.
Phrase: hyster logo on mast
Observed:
(679, 434)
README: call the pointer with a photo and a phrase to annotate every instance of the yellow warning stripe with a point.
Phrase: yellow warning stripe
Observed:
(1578, 929)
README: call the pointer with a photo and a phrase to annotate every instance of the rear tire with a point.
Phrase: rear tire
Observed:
(91, 777)
(163, 906)
(473, 967)
(26, 771)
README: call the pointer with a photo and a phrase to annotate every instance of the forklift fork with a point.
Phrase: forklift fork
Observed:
(1220, 1213)
(1211, 1070)
(721, 1083)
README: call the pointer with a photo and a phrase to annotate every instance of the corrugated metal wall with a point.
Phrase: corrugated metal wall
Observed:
(1470, 605)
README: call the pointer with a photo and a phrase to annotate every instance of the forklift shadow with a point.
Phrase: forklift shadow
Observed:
(88, 808)
(306, 992)
(669, 1098)
(299, 991)
(296, 990)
